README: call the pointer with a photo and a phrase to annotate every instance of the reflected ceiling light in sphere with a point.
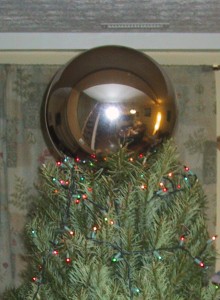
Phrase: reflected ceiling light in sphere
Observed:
(112, 113)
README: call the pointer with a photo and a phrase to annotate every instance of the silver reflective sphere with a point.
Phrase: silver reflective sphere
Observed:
(107, 97)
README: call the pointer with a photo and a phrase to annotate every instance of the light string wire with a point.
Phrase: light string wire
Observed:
(72, 189)
(123, 253)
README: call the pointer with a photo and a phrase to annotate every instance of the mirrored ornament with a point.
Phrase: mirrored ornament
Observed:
(108, 97)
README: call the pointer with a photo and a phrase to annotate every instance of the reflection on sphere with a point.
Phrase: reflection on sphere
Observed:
(111, 107)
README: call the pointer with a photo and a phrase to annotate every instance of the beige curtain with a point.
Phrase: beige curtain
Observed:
(23, 149)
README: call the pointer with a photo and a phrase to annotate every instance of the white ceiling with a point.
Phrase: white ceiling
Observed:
(82, 24)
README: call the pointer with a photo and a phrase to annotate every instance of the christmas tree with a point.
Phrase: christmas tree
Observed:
(122, 227)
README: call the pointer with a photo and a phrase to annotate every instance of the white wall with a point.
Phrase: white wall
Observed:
(61, 57)
(146, 40)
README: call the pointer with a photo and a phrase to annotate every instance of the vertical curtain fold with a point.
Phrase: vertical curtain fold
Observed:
(6, 273)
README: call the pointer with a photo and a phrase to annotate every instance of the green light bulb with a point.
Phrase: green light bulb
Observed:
(33, 233)
(114, 259)
(135, 290)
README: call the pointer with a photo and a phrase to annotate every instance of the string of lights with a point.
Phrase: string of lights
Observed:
(168, 187)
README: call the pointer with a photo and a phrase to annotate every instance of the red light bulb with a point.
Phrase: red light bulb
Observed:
(68, 260)
(201, 264)
(182, 240)
(94, 228)
(77, 159)
(143, 186)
